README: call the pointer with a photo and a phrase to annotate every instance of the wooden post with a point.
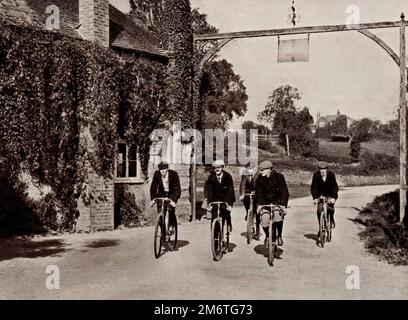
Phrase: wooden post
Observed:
(287, 145)
(403, 121)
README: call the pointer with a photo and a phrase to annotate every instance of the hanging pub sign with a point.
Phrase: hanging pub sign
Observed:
(293, 50)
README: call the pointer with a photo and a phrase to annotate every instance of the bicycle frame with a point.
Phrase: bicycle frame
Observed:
(271, 244)
(164, 237)
(163, 211)
(218, 204)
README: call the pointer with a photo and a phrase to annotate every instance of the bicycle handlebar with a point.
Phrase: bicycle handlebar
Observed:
(323, 199)
(217, 203)
(252, 194)
(157, 199)
(270, 206)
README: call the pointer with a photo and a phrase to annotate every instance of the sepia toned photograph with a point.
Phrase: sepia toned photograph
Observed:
(203, 150)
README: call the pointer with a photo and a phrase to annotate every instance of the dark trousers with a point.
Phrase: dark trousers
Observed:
(224, 213)
(330, 211)
(277, 229)
(247, 204)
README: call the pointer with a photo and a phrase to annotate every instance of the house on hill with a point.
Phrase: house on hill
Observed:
(324, 121)
(100, 22)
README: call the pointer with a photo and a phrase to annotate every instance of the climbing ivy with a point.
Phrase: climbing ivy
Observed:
(62, 101)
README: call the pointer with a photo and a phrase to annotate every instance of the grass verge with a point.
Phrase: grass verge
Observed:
(384, 235)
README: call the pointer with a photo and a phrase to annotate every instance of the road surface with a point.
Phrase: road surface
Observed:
(121, 265)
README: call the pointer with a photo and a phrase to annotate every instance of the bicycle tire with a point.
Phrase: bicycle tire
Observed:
(329, 229)
(322, 229)
(216, 240)
(250, 224)
(173, 237)
(271, 246)
(158, 237)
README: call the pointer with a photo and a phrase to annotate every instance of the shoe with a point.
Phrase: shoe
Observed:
(256, 236)
(229, 228)
(280, 241)
(246, 217)
(333, 224)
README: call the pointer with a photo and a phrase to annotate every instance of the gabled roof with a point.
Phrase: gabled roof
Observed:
(124, 32)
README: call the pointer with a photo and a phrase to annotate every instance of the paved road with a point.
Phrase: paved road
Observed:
(120, 264)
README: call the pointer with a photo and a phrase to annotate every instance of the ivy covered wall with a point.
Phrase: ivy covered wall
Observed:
(53, 89)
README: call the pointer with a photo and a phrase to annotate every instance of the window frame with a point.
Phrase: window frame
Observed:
(127, 179)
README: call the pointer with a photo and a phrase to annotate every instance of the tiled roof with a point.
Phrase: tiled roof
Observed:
(124, 34)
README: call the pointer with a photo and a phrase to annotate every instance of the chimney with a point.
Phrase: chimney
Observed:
(94, 20)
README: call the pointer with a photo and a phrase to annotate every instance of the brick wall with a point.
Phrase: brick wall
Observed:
(94, 20)
(99, 215)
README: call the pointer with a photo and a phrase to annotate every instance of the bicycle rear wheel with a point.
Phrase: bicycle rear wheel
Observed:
(322, 229)
(173, 236)
(216, 240)
(250, 226)
(158, 237)
(271, 246)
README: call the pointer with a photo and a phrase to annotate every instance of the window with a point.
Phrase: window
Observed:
(127, 167)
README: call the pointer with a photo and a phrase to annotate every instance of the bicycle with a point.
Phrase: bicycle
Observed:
(162, 236)
(271, 244)
(250, 217)
(325, 227)
(219, 245)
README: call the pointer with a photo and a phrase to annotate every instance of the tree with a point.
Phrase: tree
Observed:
(362, 131)
(280, 109)
(340, 125)
(291, 123)
(222, 93)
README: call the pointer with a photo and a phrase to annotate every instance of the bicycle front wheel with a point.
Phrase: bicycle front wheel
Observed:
(329, 229)
(322, 229)
(158, 237)
(271, 246)
(250, 226)
(216, 240)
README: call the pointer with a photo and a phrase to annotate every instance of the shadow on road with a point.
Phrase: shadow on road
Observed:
(262, 250)
(231, 246)
(311, 236)
(180, 244)
(103, 243)
(28, 248)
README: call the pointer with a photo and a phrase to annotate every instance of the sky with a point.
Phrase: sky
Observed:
(346, 71)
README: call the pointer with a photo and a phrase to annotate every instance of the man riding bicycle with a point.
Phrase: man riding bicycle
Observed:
(166, 184)
(324, 184)
(220, 187)
(271, 188)
(247, 186)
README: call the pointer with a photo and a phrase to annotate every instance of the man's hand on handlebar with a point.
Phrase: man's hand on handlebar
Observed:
(241, 198)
